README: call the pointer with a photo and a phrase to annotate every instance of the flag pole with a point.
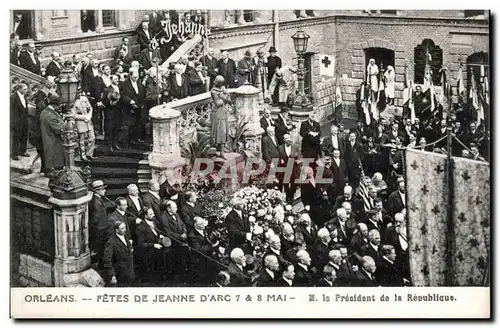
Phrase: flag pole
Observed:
(451, 198)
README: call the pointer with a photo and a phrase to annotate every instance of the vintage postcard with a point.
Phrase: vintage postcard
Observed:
(179, 163)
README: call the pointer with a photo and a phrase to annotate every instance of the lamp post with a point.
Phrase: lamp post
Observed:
(300, 39)
(69, 182)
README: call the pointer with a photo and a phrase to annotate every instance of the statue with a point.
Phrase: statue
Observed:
(219, 116)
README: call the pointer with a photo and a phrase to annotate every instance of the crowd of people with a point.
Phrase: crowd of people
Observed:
(352, 231)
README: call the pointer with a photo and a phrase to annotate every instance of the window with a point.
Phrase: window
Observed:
(473, 13)
(87, 20)
(248, 15)
(421, 60)
(389, 12)
(108, 18)
(59, 13)
(474, 63)
(22, 24)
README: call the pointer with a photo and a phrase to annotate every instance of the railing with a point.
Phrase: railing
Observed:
(183, 49)
(34, 82)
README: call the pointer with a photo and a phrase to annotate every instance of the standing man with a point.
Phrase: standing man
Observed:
(353, 159)
(333, 142)
(19, 122)
(286, 81)
(144, 36)
(190, 210)
(303, 274)
(29, 60)
(238, 226)
(311, 134)
(55, 66)
(135, 209)
(51, 125)
(210, 62)
(134, 97)
(273, 65)
(268, 277)
(92, 86)
(246, 72)
(202, 269)
(112, 119)
(152, 199)
(97, 213)
(84, 127)
(282, 127)
(118, 260)
(179, 85)
(227, 68)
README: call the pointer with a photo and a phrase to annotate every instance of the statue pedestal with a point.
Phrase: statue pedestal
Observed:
(72, 255)
(246, 99)
(165, 160)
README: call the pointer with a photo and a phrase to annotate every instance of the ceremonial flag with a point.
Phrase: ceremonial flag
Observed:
(428, 195)
(363, 193)
(338, 97)
(408, 96)
(486, 86)
(475, 100)
(364, 104)
(460, 82)
(428, 73)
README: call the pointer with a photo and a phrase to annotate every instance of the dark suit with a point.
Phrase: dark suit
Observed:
(310, 145)
(343, 235)
(152, 202)
(174, 228)
(394, 204)
(239, 278)
(146, 59)
(196, 83)
(273, 63)
(376, 255)
(270, 149)
(303, 278)
(237, 228)
(282, 283)
(363, 280)
(150, 261)
(281, 129)
(94, 86)
(265, 280)
(391, 237)
(323, 283)
(118, 261)
(97, 213)
(388, 274)
(281, 259)
(246, 77)
(136, 130)
(353, 158)
(357, 243)
(27, 63)
(24, 28)
(134, 213)
(52, 70)
(284, 157)
(202, 269)
(327, 146)
(142, 39)
(18, 124)
(228, 71)
(211, 65)
(178, 91)
(112, 118)
(309, 237)
(264, 124)
(320, 255)
(344, 276)
(188, 213)
(339, 175)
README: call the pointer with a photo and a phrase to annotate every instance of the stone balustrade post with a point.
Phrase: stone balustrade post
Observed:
(246, 100)
(165, 160)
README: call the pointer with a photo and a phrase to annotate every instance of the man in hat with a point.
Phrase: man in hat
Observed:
(246, 70)
(51, 125)
(97, 213)
(144, 34)
(273, 64)
(19, 121)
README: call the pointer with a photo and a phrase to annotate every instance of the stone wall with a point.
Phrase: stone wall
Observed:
(402, 35)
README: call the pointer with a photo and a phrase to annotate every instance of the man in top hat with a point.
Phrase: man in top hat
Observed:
(273, 64)
(97, 213)
(51, 125)
(144, 34)
(246, 71)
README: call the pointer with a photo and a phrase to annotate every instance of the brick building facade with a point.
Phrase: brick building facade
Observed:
(346, 37)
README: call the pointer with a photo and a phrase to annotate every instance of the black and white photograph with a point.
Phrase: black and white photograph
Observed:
(275, 148)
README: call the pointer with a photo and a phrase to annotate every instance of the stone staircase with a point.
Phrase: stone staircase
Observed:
(126, 166)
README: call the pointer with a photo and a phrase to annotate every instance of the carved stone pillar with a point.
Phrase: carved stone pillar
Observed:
(246, 100)
(70, 198)
(165, 160)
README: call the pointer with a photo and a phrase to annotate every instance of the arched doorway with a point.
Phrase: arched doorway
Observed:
(436, 63)
(382, 56)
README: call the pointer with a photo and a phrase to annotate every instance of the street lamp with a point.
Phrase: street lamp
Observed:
(300, 40)
(69, 182)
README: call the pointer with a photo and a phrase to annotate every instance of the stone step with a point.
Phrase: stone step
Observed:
(112, 172)
(111, 162)
(125, 152)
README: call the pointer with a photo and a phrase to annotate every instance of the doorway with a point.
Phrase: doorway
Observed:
(383, 57)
